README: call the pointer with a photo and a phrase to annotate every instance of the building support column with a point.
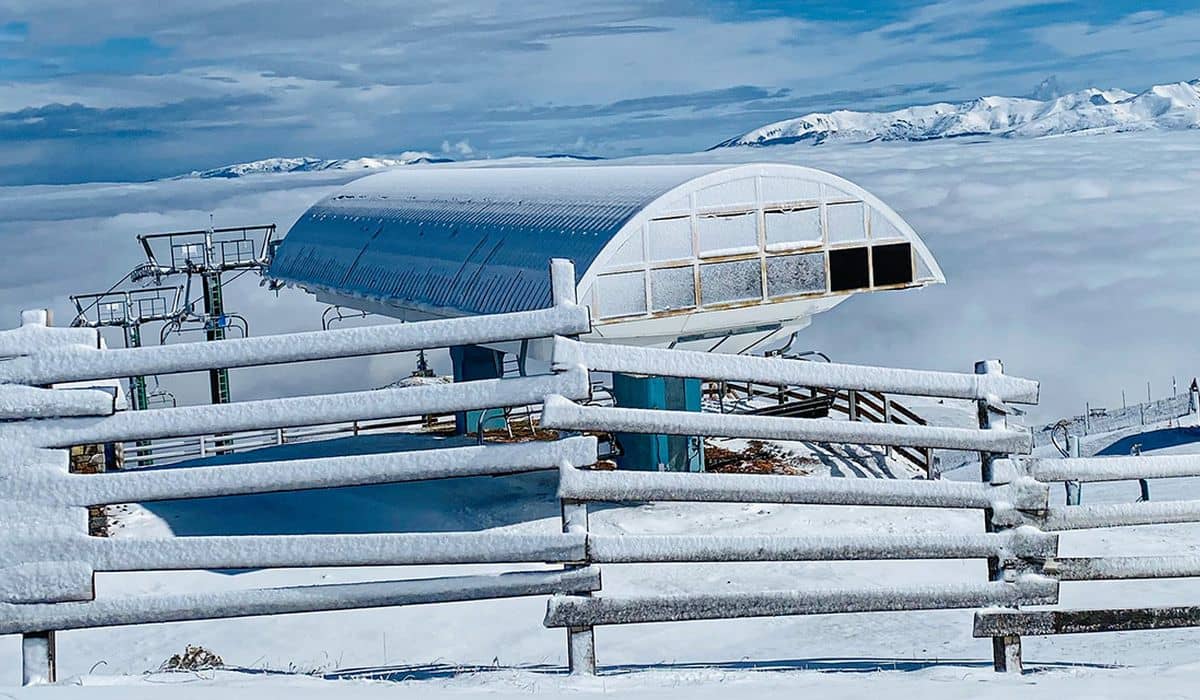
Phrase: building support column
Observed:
(472, 362)
(671, 453)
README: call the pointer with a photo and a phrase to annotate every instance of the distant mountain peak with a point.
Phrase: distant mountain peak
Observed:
(1162, 107)
(310, 164)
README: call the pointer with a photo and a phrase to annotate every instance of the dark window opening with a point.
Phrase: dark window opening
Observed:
(893, 264)
(848, 269)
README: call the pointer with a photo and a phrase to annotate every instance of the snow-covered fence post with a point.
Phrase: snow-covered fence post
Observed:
(581, 641)
(37, 658)
(1074, 488)
(37, 648)
(1006, 650)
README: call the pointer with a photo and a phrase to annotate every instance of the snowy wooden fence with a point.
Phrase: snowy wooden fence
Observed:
(1017, 554)
(47, 565)
(993, 623)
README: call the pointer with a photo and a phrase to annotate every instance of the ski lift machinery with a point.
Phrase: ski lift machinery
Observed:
(207, 254)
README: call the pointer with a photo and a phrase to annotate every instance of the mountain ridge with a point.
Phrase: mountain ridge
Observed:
(311, 164)
(1162, 107)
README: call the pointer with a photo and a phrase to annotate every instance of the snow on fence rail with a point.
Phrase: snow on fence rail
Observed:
(782, 372)
(1013, 623)
(48, 566)
(46, 578)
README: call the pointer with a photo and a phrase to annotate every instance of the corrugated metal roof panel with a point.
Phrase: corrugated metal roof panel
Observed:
(466, 240)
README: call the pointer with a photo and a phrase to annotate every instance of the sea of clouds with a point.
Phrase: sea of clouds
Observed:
(1073, 259)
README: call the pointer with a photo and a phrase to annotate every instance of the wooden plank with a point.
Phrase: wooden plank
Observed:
(574, 611)
(625, 487)
(625, 548)
(1121, 568)
(214, 605)
(74, 363)
(776, 371)
(561, 413)
(1087, 517)
(295, 411)
(992, 623)
(1094, 469)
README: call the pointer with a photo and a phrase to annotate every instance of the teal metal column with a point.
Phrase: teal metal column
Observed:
(472, 362)
(672, 453)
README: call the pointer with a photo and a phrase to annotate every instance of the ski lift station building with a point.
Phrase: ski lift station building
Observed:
(714, 257)
(701, 256)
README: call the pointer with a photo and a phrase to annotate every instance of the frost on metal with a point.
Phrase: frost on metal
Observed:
(715, 366)
(577, 611)
(561, 413)
(137, 610)
(56, 486)
(295, 411)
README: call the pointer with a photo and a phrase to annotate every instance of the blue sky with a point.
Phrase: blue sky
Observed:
(138, 89)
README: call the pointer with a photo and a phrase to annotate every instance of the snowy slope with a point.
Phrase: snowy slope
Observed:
(308, 164)
(1162, 107)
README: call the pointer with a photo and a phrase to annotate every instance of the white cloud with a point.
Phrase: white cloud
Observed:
(1071, 259)
(334, 84)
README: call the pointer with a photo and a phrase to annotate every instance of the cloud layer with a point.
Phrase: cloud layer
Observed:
(1071, 259)
(138, 89)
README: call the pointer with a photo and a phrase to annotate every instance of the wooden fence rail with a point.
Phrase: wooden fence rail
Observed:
(46, 578)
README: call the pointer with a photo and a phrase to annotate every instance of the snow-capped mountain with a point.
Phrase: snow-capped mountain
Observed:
(308, 164)
(1173, 106)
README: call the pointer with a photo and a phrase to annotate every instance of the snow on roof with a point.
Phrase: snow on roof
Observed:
(468, 241)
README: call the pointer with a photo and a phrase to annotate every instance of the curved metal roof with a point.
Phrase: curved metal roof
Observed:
(466, 240)
(454, 241)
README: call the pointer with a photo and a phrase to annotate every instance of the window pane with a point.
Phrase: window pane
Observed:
(796, 226)
(672, 288)
(892, 264)
(795, 274)
(848, 269)
(630, 251)
(730, 281)
(671, 239)
(846, 222)
(621, 295)
(725, 233)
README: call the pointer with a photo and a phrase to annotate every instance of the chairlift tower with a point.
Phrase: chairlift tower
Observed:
(208, 254)
(129, 311)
